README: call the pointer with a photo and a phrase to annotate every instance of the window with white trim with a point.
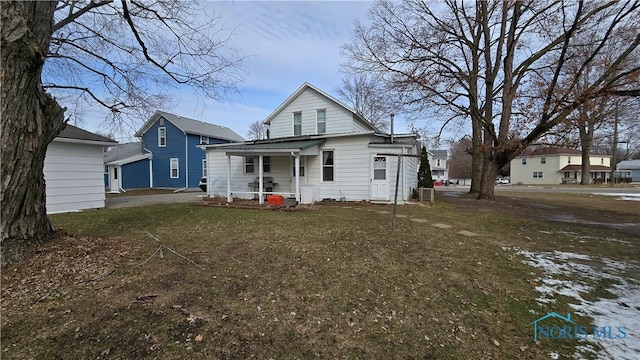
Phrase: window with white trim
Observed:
(569, 160)
(321, 121)
(537, 174)
(543, 160)
(524, 161)
(204, 140)
(601, 161)
(297, 123)
(249, 164)
(175, 172)
(327, 165)
(204, 167)
(162, 136)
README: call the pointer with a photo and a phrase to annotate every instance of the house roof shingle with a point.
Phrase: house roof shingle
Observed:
(592, 168)
(193, 126)
(629, 165)
(555, 151)
(124, 151)
(73, 132)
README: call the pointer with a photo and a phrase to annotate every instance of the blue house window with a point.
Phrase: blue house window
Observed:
(204, 140)
(162, 136)
(174, 168)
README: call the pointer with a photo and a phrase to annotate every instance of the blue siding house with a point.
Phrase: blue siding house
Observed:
(168, 155)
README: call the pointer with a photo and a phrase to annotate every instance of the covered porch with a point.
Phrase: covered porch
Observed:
(598, 174)
(280, 167)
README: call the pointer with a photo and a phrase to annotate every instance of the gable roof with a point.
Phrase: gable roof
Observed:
(75, 133)
(629, 165)
(440, 154)
(306, 86)
(192, 126)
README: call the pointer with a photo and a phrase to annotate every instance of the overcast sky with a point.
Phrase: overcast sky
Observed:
(287, 43)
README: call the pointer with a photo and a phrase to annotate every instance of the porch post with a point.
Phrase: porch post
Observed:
(229, 197)
(260, 181)
(297, 167)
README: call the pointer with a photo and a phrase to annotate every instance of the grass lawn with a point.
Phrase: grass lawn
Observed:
(332, 282)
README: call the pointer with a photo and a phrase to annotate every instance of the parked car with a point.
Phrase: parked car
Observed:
(502, 181)
(203, 183)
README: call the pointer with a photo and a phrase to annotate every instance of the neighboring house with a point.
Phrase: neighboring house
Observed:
(552, 165)
(318, 149)
(128, 166)
(629, 169)
(439, 165)
(168, 155)
(73, 170)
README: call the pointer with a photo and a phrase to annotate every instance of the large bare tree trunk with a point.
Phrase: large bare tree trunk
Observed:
(30, 121)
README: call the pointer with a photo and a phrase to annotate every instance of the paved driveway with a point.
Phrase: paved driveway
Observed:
(139, 200)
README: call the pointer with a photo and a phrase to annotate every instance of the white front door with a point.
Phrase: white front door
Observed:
(114, 178)
(379, 178)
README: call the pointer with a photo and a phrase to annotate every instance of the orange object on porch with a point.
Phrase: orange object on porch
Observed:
(275, 200)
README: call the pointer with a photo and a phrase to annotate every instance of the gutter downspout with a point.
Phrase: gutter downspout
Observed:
(150, 166)
(186, 164)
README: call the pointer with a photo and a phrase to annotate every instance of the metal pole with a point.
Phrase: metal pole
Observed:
(614, 151)
(395, 199)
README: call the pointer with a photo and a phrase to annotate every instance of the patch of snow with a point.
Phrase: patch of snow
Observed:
(621, 196)
(623, 310)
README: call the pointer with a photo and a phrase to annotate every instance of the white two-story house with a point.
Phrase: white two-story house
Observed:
(318, 148)
(553, 165)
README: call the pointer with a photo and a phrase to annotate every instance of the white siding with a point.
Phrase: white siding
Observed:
(352, 172)
(74, 175)
(339, 119)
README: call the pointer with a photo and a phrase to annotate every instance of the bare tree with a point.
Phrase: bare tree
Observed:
(257, 130)
(368, 97)
(460, 164)
(499, 64)
(122, 55)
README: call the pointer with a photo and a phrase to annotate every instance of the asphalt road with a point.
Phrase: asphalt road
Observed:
(139, 200)
(549, 189)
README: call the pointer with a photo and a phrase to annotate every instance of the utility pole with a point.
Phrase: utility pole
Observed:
(614, 150)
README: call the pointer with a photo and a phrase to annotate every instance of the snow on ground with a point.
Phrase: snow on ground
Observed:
(621, 196)
(570, 275)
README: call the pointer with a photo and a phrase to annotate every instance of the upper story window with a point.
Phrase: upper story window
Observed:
(524, 161)
(543, 160)
(438, 162)
(297, 123)
(601, 161)
(204, 139)
(569, 160)
(162, 136)
(321, 120)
